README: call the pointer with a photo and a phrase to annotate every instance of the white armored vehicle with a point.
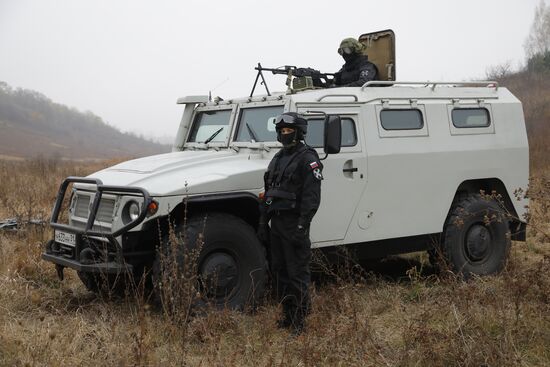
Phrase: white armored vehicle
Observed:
(413, 162)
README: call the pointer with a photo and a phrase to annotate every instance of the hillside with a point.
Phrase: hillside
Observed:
(32, 125)
(533, 90)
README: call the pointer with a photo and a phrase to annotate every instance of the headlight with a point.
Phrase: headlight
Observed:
(130, 212)
(133, 210)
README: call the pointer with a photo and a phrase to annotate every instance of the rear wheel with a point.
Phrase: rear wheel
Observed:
(476, 238)
(230, 264)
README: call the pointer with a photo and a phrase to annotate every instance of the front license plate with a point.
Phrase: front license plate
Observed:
(65, 238)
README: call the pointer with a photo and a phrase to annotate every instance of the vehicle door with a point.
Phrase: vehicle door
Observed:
(344, 174)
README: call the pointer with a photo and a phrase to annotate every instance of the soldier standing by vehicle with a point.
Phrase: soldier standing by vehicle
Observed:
(292, 197)
(358, 69)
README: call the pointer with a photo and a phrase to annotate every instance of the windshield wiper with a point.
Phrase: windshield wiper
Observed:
(213, 135)
(252, 134)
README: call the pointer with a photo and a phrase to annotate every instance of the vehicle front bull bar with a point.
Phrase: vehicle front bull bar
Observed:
(95, 206)
(107, 267)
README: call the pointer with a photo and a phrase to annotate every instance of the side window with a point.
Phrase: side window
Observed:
(401, 119)
(213, 125)
(316, 129)
(470, 117)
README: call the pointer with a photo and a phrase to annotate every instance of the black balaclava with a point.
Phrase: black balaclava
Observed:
(289, 141)
(349, 57)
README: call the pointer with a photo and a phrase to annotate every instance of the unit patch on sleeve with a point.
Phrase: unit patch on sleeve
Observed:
(317, 174)
(314, 165)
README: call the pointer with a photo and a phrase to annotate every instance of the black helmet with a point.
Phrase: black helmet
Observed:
(292, 120)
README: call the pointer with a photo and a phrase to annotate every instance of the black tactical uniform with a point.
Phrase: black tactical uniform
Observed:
(356, 72)
(292, 196)
(358, 69)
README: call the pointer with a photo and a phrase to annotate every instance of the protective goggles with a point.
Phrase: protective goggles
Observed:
(345, 50)
(287, 119)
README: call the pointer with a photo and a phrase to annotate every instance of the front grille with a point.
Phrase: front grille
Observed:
(82, 206)
(104, 213)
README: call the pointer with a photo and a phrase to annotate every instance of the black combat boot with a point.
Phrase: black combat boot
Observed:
(298, 322)
(286, 322)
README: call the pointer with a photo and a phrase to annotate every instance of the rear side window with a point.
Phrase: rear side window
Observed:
(316, 129)
(470, 117)
(402, 119)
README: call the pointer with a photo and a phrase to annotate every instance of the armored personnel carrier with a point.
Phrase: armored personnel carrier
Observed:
(412, 166)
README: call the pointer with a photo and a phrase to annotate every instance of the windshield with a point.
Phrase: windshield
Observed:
(210, 126)
(254, 124)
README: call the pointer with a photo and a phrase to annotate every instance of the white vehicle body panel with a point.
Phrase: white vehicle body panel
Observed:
(405, 180)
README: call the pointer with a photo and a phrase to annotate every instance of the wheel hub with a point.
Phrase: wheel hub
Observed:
(478, 242)
(219, 274)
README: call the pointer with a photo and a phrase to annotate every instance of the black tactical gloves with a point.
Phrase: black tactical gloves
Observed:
(301, 233)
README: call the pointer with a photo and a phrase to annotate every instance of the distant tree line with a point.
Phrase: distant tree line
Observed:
(537, 44)
(531, 83)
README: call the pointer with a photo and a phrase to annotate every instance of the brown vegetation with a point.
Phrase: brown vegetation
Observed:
(402, 315)
(531, 88)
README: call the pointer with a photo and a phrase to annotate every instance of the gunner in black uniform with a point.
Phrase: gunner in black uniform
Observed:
(292, 196)
(358, 69)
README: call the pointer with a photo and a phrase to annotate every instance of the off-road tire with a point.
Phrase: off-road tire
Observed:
(476, 237)
(118, 285)
(106, 285)
(230, 239)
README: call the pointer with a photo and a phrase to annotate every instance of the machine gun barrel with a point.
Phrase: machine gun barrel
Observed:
(307, 77)
(282, 70)
(296, 71)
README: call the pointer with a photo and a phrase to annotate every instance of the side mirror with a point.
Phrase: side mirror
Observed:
(333, 134)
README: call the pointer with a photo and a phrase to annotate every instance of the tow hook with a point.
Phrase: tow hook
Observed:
(59, 270)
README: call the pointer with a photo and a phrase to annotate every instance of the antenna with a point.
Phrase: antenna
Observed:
(216, 87)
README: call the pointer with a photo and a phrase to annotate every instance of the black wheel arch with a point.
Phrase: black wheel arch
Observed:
(244, 205)
(489, 185)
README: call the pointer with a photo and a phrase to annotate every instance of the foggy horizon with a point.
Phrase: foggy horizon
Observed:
(128, 62)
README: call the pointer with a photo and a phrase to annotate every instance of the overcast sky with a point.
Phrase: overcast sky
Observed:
(128, 61)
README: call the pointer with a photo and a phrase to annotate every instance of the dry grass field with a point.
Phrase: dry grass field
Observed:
(397, 312)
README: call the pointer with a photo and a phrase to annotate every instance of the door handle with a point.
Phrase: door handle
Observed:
(352, 169)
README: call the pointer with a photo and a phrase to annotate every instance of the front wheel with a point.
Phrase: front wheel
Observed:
(104, 284)
(228, 258)
(115, 285)
(476, 238)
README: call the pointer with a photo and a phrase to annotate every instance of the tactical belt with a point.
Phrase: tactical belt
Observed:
(276, 193)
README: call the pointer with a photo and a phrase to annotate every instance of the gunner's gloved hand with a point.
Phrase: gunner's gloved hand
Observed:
(263, 231)
(301, 233)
